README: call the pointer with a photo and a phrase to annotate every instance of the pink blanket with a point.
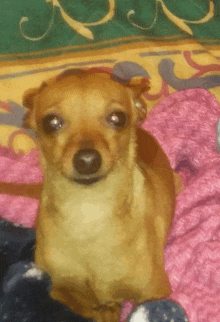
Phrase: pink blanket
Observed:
(185, 125)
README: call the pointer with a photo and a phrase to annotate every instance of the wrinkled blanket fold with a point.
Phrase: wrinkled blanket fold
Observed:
(185, 124)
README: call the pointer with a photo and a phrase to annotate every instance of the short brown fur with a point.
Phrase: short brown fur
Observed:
(102, 243)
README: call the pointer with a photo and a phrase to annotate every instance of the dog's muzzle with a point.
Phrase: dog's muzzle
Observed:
(87, 162)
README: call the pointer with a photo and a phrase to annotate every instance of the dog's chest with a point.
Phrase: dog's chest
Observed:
(88, 241)
(83, 226)
(86, 219)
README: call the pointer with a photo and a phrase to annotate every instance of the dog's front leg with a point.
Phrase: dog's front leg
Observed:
(108, 313)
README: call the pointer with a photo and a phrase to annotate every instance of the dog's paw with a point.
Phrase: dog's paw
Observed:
(158, 311)
(107, 314)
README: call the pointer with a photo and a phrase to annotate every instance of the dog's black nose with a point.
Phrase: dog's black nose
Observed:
(87, 161)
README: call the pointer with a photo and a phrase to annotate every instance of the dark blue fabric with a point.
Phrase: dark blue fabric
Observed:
(158, 311)
(16, 244)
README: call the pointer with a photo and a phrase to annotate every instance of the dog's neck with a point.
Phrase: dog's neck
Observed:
(63, 190)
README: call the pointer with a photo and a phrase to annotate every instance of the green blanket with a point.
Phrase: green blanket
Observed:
(42, 28)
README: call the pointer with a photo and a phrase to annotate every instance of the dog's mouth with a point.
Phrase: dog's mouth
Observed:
(87, 180)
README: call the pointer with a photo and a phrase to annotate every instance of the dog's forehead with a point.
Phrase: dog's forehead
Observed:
(85, 89)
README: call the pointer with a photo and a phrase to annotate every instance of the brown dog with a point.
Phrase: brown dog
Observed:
(108, 197)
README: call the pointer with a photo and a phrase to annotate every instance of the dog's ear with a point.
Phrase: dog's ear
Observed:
(28, 98)
(137, 89)
(28, 102)
(30, 94)
(139, 86)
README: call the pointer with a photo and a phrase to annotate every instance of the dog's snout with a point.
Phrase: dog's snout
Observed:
(87, 161)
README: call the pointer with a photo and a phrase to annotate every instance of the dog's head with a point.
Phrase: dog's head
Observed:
(85, 122)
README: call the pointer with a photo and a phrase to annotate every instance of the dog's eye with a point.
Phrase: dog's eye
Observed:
(117, 119)
(52, 123)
